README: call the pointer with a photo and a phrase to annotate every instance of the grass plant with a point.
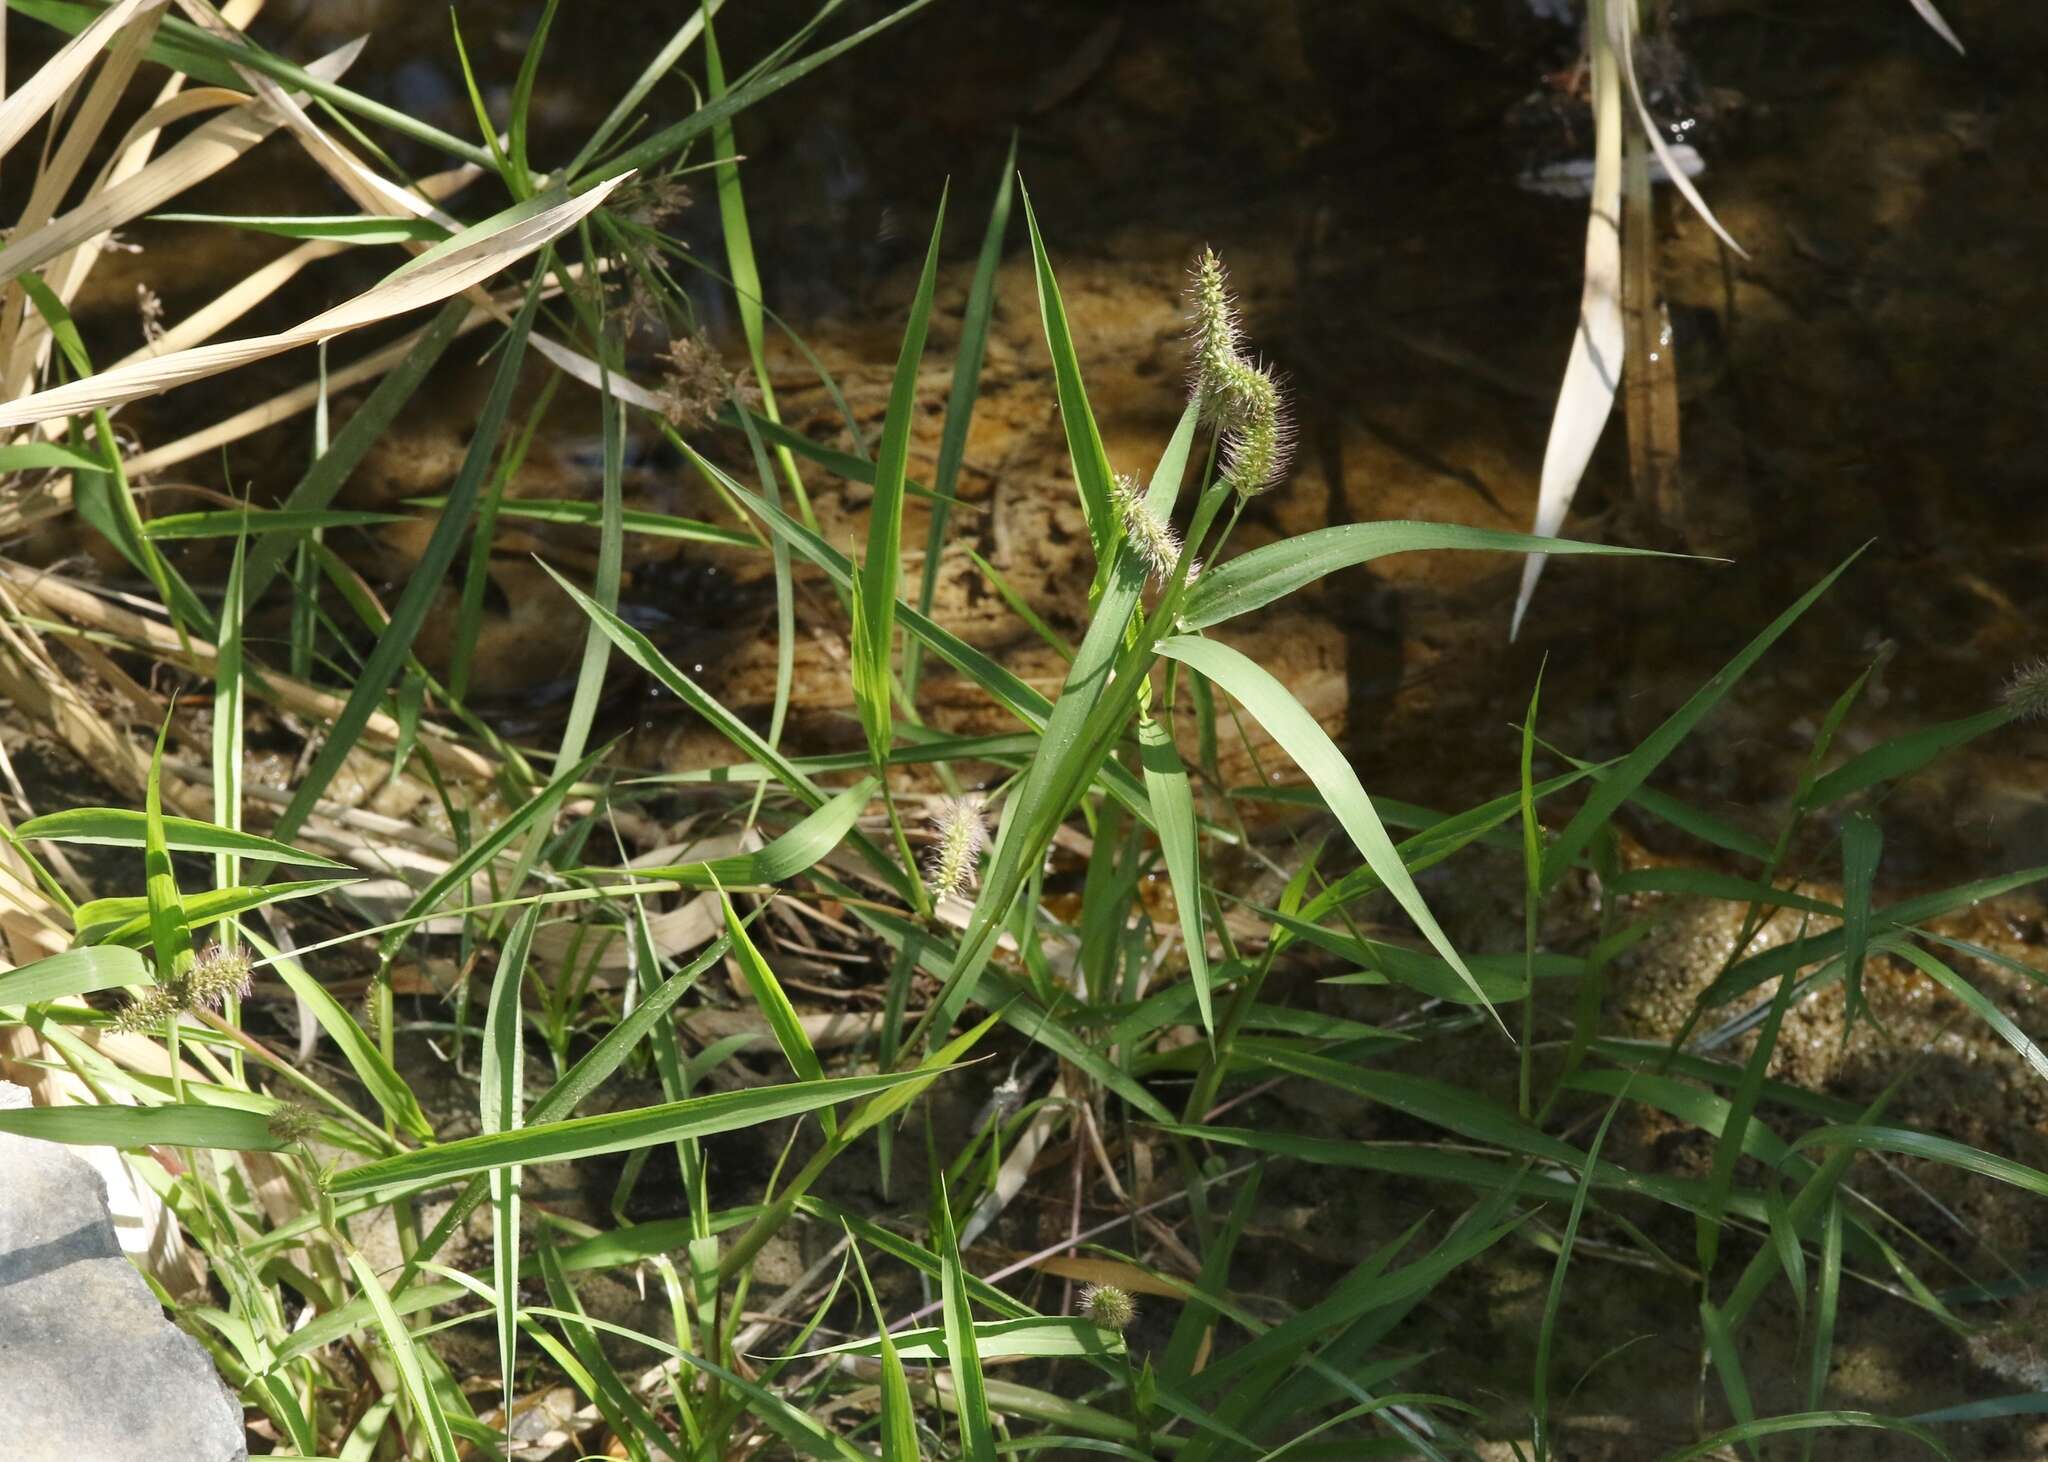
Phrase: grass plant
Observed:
(354, 1225)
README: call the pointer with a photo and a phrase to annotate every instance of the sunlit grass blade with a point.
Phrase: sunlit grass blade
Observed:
(426, 1403)
(1774, 1426)
(1173, 808)
(502, 1102)
(169, 935)
(120, 827)
(126, 920)
(389, 1089)
(1270, 704)
(580, 1137)
(967, 361)
(874, 642)
(74, 972)
(177, 1125)
(1258, 578)
(899, 1418)
(963, 1359)
(480, 852)
(773, 1003)
(1093, 478)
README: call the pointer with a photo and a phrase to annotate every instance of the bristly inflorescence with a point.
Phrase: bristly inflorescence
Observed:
(961, 830)
(1235, 391)
(2026, 693)
(206, 985)
(1150, 536)
(1108, 1306)
(291, 1122)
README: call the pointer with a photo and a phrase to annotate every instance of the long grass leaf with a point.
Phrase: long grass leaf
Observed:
(502, 1101)
(581, 1137)
(1270, 704)
(1636, 767)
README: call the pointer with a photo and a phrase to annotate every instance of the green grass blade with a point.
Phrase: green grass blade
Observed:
(1092, 476)
(1540, 1406)
(502, 1101)
(1900, 757)
(1636, 767)
(581, 1137)
(1862, 846)
(1863, 1137)
(120, 827)
(169, 936)
(1773, 1426)
(899, 1418)
(178, 1125)
(1255, 579)
(74, 972)
(1728, 1365)
(1173, 808)
(1270, 704)
(967, 362)
(1735, 1130)
(875, 603)
(386, 1087)
(426, 1403)
(773, 1003)
(479, 854)
(963, 1358)
(394, 645)
(323, 479)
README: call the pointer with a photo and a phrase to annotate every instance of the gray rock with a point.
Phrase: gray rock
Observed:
(91, 1369)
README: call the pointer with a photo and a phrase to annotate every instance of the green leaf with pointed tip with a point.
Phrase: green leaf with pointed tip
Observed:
(1092, 476)
(1255, 579)
(963, 1359)
(1173, 808)
(1718, 1444)
(796, 851)
(74, 972)
(876, 604)
(386, 1087)
(774, 1005)
(580, 1137)
(398, 1341)
(237, 522)
(1635, 768)
(125, 919)
(1260, 693)
(118, 827)
(185, 1124)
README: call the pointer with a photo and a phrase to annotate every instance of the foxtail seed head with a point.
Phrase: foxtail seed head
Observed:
(291, 1122)
(951, 867)
(215, 975)
(1150, 537)
(2026, 694)
(1235, 391)
(1108, 1306)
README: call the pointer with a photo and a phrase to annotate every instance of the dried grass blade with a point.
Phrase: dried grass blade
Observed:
(1593, 371)
(432, 277)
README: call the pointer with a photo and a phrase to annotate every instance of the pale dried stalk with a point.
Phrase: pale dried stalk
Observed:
(194, 159)
(22, 110)
(425, 281)
(66, 600)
